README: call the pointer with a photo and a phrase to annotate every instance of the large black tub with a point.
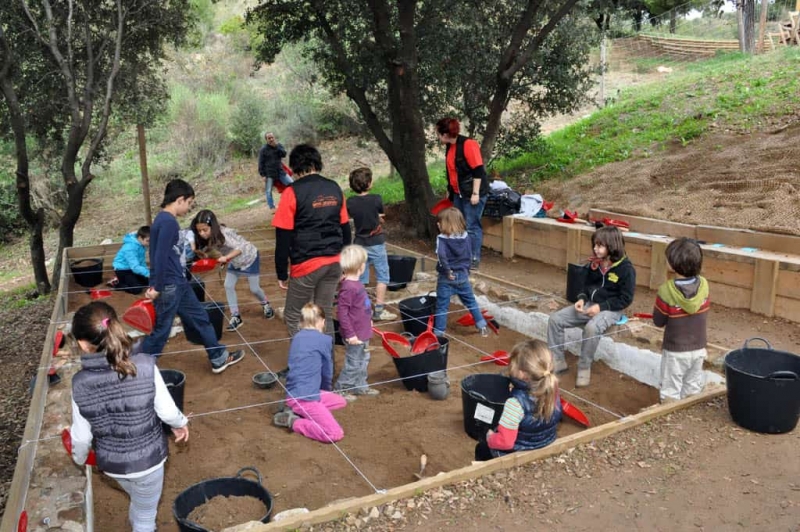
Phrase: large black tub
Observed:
(202, 492)
(215, 315)
(415, 312)
(414, 369)
(87, 272)
(401, 271)
(763, 388)
(483, 397)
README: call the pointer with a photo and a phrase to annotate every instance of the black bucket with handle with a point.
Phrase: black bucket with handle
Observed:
(483, 397)
(414, 369)
(415, 312)
(763, 388)
(401, 271)
(204, 491)
(87, 272)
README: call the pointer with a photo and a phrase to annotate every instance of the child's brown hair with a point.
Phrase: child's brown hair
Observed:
(685, 256)
(533, 358)
(97, 324)
(360, 179)
(451, 221)
(610, 237)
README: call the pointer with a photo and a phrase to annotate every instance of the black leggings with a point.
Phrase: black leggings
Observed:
(130, 282)
(482, 452)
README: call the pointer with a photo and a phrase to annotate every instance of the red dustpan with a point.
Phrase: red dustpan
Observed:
(389, 337)
(99, 294)
(58, 342)
(467, 319)
(574, 413)
(425, 341)
(204, 265)
(66, 440)
(498, 357)
(141, 315)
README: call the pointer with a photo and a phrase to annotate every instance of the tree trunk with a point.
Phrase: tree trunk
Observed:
(749, 20)
(673, 21)
(66, 229)
(34, 219)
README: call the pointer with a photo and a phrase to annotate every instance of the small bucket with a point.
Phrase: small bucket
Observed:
(87, 272)
(215, 315)
(199, 289)
(414, 369)
(202, 492)
(438, 385)
(175, 381)
(415, 312)
(483, 397)
(401, 271)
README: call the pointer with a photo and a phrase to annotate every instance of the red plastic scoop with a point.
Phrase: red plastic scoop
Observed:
(498, 357)
(643, 315)
(389, 337)
(425, 341)
(99, 294)
(574, 413)
(66, 439)
(440, 206)
(204, 265)
(141, 315)
(58, 342)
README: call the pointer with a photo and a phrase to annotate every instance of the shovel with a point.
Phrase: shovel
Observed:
(425, 341)
(423, 461)
(574, 413)
(498, 357)
(203, 265)
(388, 337)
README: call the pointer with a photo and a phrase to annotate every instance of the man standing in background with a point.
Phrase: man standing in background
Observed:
(270, 166)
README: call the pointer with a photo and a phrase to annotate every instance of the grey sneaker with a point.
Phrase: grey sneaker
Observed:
(234, 323)
(269, 313)
(584, 378)
(484, 332)
(285, 418)
(233, 358)
(383, 315)
(561, 366)
(347, 396)
(366, 391)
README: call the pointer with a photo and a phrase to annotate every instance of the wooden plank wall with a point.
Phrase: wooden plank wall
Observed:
(763, 282)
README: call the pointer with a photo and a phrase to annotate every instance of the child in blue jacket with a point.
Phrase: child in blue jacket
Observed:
(130, 266)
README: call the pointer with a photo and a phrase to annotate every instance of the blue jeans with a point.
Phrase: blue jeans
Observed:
(445, 289)
(472, 214)
(376, 255)
(283, 178)
(353, 376)
(180, 299)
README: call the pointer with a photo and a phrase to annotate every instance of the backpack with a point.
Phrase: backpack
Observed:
(501, 203)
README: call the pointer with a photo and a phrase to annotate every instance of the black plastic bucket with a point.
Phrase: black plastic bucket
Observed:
(175, 381)
(215, 315)
(401, 271)
(199, 288)
(202, 492)
(483, 397)
(763, 388)
(87, 272)
(414, 369)
(415, 312)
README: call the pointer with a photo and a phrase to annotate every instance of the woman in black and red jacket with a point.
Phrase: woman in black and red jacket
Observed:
(467, 184)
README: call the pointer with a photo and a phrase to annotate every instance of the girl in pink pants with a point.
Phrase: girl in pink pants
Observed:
(309, 382)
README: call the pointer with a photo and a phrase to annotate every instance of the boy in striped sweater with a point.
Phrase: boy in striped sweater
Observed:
(681, 308)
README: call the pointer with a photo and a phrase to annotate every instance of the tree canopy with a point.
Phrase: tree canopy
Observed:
(407, 63)
(63, 67)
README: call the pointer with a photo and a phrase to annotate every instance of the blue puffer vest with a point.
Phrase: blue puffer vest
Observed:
(534, 433)
(128, 437)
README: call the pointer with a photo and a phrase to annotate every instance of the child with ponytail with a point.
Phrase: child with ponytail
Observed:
(119, 401)
(531, 414)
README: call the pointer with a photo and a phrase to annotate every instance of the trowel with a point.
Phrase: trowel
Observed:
(423, 461)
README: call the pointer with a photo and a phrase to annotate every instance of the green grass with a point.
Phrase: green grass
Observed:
(20, 297)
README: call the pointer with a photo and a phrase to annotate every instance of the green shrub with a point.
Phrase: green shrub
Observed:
(199, 126)
(10, 220)
(246, 125)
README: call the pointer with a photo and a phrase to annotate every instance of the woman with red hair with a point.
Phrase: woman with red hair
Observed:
(467, 184)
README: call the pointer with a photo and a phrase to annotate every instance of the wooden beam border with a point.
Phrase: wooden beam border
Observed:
(338, 510)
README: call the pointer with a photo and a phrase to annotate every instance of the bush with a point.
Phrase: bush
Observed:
(10, 220)
(246, 125)
(200, 126)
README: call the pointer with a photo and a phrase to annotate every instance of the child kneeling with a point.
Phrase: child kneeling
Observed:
(308, 382)
(531, 414)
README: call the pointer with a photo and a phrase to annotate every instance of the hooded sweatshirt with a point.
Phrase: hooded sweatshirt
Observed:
(681, 308)
(131, 256)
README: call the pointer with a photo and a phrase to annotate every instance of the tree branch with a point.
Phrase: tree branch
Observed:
(537, 41)
(381, 28)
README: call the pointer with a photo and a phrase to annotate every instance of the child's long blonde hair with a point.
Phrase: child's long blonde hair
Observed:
(451, 221)
(310, 315)
(533, 359)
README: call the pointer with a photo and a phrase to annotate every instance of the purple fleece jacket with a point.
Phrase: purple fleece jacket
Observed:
(354, 311)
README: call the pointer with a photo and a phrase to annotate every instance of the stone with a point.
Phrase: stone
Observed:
(374, 513)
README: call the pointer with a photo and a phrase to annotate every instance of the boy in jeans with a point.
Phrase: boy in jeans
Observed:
(681, 308)
(366, 211)
(169, 289)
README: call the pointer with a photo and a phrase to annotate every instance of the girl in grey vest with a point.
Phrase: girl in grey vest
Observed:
(119, 400)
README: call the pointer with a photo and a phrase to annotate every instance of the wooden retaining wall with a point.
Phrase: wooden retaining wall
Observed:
(761, 280)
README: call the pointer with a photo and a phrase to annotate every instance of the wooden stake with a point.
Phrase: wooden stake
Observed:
(148, 218)
(762, 23)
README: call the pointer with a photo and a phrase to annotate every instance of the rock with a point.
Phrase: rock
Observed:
(397, 515)
(292, 512)
(374, 513)
(250, 525)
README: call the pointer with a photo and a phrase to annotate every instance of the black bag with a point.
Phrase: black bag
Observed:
(576, 281)
(501, 203)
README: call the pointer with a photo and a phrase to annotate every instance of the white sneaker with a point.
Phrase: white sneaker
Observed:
(584, 378)
(383, 315)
